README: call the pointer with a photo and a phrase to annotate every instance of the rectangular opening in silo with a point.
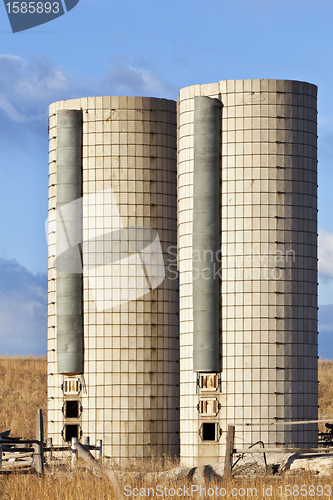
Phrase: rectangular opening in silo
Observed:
(208, 406)
(71, 431)
(71, 386)
(72, 409)
(209, 431)
(208, 381)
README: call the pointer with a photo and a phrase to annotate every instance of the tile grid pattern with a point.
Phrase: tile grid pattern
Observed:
(268, 263)
(131, 375)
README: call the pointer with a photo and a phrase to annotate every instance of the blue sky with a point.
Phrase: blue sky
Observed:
(103, 47)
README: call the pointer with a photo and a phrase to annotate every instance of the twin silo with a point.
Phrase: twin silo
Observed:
(125, 383)
(148, 359)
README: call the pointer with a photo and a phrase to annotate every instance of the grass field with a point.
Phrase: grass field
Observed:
(81, 485)
(23, 390)
(325, 391)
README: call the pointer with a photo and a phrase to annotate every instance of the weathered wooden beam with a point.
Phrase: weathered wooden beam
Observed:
(90, 460)
(57, 448)
(19, 450)
(24, 464)
(7, 455)
(38, 446)
(14, 441)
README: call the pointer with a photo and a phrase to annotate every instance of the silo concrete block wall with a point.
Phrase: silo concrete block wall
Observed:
(130, 386)
(268, 266)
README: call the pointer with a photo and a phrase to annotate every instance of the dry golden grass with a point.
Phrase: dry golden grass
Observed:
(64, 485)
(23, 389)
(81, 484)
(325, 392)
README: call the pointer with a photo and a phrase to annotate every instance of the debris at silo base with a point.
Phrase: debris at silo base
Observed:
(285, 464)
(279, 464)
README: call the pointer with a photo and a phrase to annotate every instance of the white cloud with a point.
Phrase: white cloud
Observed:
(10, 57)
(23, 310)
(10, 110)
(28, 86)
(132, 78)
(326, 255)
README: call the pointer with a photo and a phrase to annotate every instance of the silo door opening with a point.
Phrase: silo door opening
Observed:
(208, 406)
(71, 431)
(208, 381)
(72, 409)
(71, 386)
(209, 431)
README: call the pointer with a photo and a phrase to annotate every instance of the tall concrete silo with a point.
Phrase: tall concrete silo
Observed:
(247, 243)
(113, 353)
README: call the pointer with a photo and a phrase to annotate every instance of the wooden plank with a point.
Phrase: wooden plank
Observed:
(17, 465)
(7, 455)
(13, 441)
(19, 450)
(56, 448)
(38, 446)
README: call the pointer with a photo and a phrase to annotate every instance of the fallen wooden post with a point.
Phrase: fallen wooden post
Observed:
(90, 460)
